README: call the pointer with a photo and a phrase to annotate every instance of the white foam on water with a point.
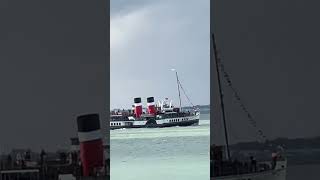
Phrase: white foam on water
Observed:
(136, 133)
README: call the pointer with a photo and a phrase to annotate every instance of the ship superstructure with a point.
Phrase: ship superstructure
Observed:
(162, 114)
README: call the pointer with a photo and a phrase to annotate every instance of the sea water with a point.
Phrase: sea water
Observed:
(174, 153)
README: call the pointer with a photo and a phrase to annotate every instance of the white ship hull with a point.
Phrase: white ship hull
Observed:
(167, 122)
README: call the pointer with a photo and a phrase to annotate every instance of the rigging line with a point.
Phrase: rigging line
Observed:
(185, 93)
(236, 94)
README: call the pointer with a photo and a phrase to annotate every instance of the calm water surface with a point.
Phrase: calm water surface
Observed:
(175, 153)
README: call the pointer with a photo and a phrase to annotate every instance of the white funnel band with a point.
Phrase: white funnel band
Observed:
(89, 136)
(137, 104)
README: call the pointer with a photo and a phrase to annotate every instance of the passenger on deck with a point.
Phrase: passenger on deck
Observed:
(236, 166)
(246, 167)
(42, 157)
(28, 155)
(274, 160)
(9, 161)
(18, 159)
(253, 164)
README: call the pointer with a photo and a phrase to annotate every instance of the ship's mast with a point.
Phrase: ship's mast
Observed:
(178, 88)
(221, 95)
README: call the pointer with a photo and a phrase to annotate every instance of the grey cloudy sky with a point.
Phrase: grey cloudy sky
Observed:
(270, 49)
(52, 69)
(148, 38)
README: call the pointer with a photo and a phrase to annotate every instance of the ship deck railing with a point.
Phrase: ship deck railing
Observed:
(248, 175)
(229, 169)
(32, 174)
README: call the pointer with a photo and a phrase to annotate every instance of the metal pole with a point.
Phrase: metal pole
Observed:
(221, 96)
(178, 90)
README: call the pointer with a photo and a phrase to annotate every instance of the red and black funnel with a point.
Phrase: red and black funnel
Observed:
(151, 105)
(91, 145)
(137, 107)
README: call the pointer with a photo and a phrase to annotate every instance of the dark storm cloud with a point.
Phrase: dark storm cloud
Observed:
(270, 48)
(53, 68)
